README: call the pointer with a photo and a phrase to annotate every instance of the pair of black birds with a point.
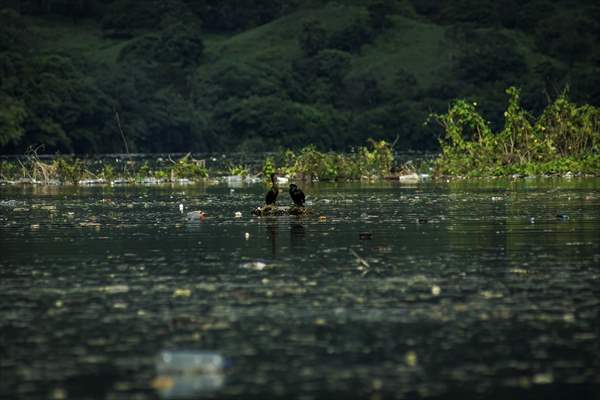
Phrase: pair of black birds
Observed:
(295, 193)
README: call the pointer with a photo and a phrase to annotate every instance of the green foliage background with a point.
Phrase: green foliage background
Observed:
(258, 75)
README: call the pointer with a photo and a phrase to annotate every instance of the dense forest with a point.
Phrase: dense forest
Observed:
(90, 76)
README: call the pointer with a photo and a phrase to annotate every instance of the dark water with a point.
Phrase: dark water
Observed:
(476, 300)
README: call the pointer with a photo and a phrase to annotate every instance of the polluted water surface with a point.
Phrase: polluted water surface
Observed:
(432, 290)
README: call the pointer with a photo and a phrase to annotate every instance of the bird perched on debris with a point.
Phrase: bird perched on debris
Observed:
(297, 195)
(271, 196)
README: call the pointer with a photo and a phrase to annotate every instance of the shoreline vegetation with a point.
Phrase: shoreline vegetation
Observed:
(563, 140)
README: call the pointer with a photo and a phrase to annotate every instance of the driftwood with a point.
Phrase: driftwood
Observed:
(280, 210)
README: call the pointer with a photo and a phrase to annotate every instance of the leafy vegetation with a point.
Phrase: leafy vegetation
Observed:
(564, 138)
(371, 162)
(374, 161)
(261, 75)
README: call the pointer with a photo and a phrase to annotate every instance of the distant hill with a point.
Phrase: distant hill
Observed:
(216, 75)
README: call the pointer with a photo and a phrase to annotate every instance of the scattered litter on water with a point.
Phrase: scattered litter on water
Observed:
(411, 359)
(89, 224)
(544, 378)
(362, 264)
(188, 374)
(90, 182)
(182, 293)
(254, 265)
(114, 289)
(409, 179)
(8, 203)
(195, 215)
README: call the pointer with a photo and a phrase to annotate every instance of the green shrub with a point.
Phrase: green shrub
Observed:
(375, 160)
(187, 167)
(562, 139)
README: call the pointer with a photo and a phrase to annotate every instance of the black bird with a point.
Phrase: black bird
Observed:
(271, 196)
(297, 195)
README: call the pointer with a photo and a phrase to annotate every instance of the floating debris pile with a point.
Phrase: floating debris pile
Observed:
(271, 210)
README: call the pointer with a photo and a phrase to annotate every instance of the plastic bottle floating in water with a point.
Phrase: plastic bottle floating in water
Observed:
(189, 362)
(188, 374)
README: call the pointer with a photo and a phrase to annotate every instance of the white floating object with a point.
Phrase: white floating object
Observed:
(247, 235)
(254, 265)
(238, 214)
(181, 208)
(410, 178)
(188, 374)
(195, 215)
(170, 362)
(282, 179)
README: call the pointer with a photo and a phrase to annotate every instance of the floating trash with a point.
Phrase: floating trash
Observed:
(411, 359)
(198, 215)
(238, 214)
(409, 179)
(182, 293)
(181, 208)
(89, 182)
(281, 211)
(247, 235)
(188, 374)
(254, 265)
(114, 289)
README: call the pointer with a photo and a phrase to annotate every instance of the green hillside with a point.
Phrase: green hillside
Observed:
(202, 76)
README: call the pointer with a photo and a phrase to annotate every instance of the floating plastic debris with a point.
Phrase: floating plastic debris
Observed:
(436, 290)
(247, 235)
(195, 215)
(238, 214)
(114, 289)
(89, 182)
(182, 293)
(254, 265)
(189, 362)
(281, 210)
(365, 235)
(409, 179)
(411, 359)
(188, 374)
(181, 208)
